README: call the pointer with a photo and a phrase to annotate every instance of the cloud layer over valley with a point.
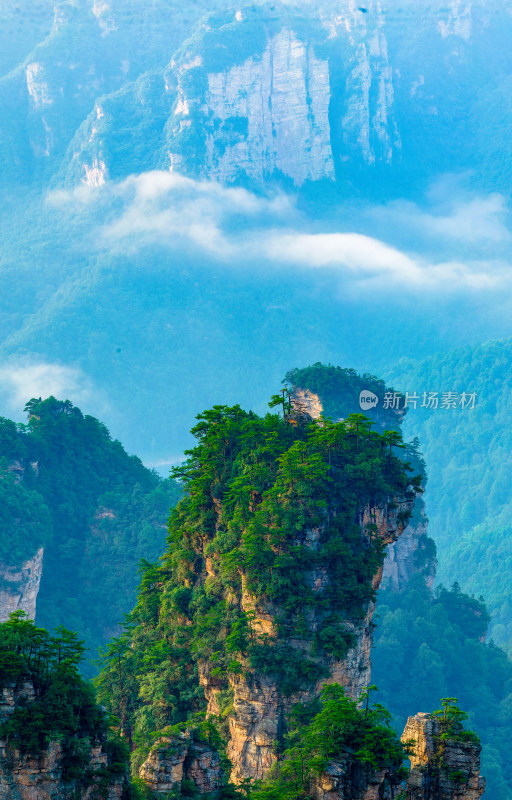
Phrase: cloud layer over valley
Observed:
(440, 247)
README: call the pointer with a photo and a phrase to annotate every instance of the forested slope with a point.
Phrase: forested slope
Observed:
(69, 487)
(469, 457)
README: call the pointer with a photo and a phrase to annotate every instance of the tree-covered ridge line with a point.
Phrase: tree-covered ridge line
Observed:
(238, 549)
(67, 486)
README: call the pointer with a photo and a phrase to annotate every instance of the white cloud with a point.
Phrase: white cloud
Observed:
(460, 240)
(19, 382)
(169, 208)
(469, 220)
(363, 257)
(357, 253)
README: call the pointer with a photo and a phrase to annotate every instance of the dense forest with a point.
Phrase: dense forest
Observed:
(468, 454)
(69, 487)
(252, 483)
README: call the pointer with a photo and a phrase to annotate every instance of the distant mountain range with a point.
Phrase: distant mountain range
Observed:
(377, 99)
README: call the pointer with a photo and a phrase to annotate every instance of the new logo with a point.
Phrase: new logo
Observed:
(367, 400)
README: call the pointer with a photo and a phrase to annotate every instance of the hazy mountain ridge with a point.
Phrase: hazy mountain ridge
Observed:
(359, 93)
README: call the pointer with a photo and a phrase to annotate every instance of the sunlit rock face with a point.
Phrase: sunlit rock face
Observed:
(441, 768)
(258, 700)
(268, 114)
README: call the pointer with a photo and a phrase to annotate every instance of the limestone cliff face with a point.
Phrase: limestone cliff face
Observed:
(175, 758)
(268, 113)
(410, 555)
(441, 768)
(25, 776)
(259, 705)
(363, 116)
(255, 93)
(345, 780)
(288, 106)
(19, 586)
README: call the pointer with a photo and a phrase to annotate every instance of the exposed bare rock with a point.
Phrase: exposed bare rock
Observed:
(441, 768)
(409, 555)
(259, 704)
(366, 118)
(39, 777)
(19, 586)
(345, 780)
(268, 114)
(307, 402)
(174, 758)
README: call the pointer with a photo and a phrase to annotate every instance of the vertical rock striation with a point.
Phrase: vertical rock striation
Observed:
(410, 555)
(345, 780)
(442, 768)
(176, 758)
(19, 586)
(268, 114)
(259, 704)
(39, 776)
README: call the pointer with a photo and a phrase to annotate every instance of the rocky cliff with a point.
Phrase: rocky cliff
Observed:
(259, 703)
(344, 780)
(19, 586)
(266, 592)
(174, 759)
(444, 765)
(251, 94)
(41, 775)
(414, 551)
(28, 777)
(412, 554)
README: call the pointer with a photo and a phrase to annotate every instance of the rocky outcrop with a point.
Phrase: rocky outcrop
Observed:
(443, 767)
(413, 553)
(39, 776)
(19, 586)
(346, 780)
(264, 114)
(253, 94)
(175, 758)
(259, 703)
(305, 402)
